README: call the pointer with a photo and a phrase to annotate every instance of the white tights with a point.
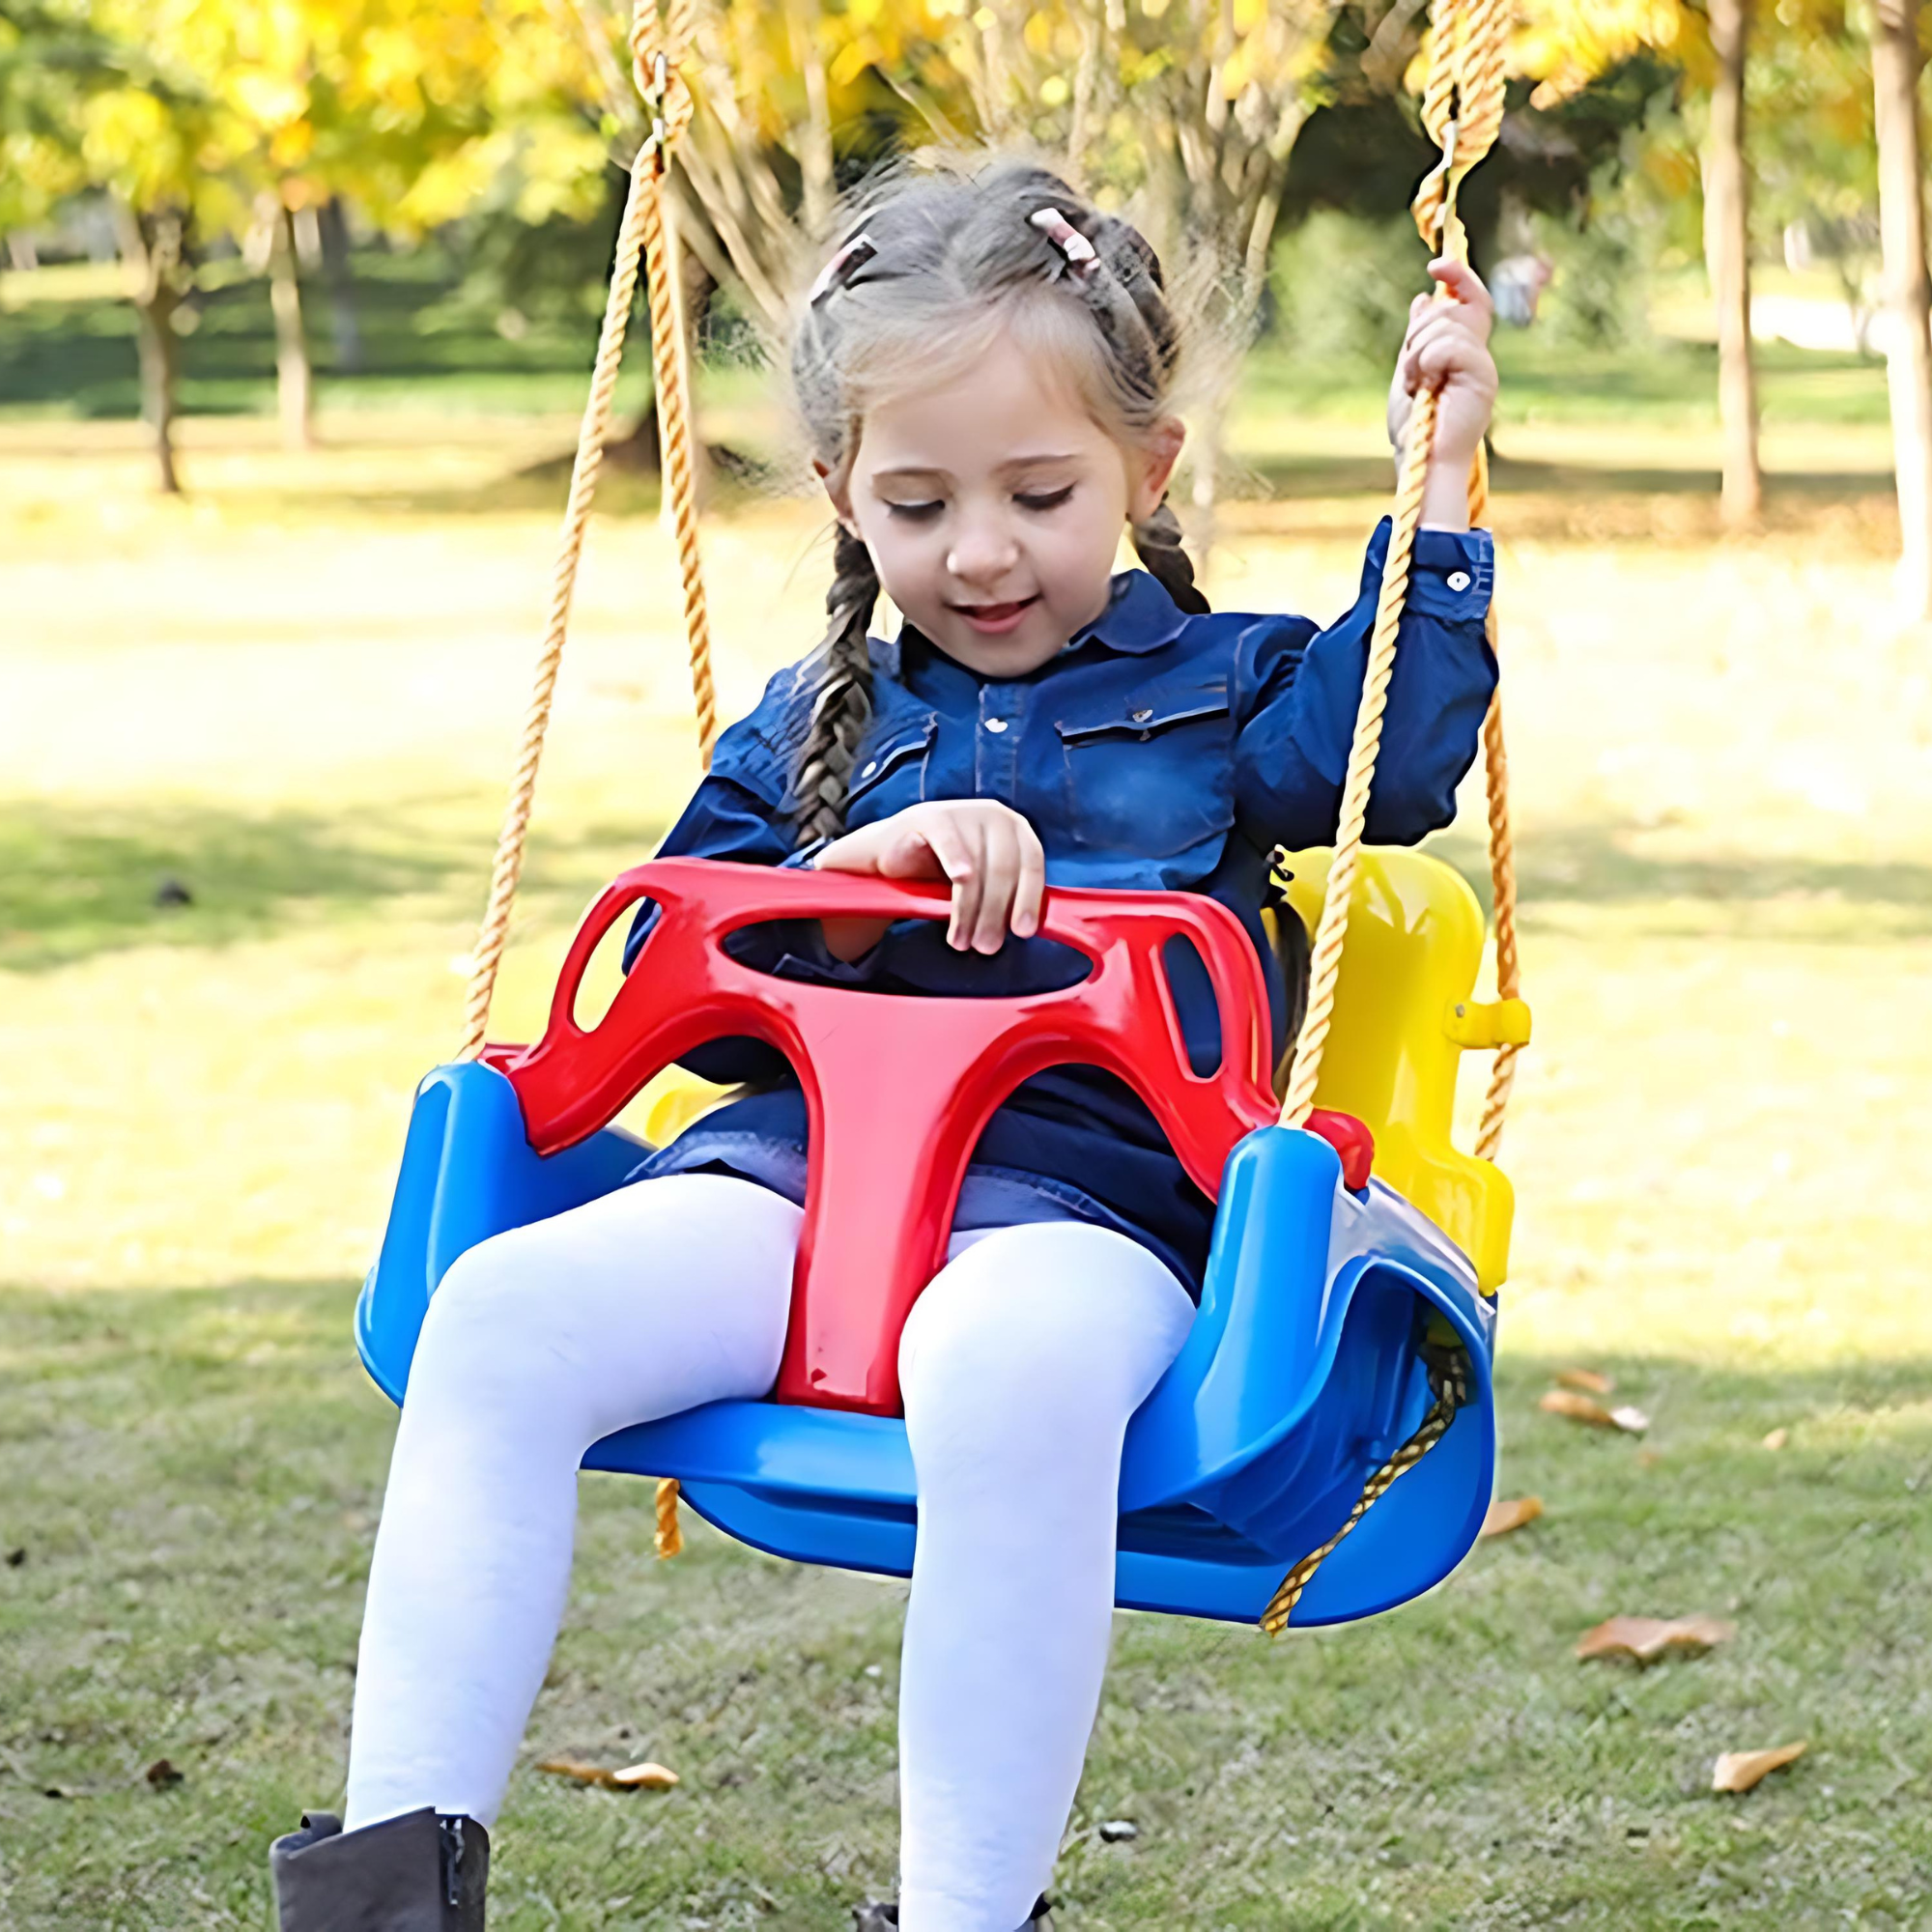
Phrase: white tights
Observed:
(1020, 1366)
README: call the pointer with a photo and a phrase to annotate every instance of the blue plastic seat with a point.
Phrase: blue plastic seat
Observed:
(1300, 1376)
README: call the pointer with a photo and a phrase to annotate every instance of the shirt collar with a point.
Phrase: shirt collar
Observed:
(1140, 616)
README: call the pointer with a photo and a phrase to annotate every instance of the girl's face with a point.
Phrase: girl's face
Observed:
(993, 506)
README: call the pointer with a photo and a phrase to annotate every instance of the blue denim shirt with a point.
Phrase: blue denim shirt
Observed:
(1156, 750)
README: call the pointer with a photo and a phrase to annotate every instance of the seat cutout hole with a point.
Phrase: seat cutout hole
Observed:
(604, 973)
(913, 962)
(1194, 1000)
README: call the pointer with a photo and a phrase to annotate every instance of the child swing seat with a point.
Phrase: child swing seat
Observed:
(1344, 1332)
(1300, 1377)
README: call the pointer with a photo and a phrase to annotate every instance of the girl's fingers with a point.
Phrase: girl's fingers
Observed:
(1032, 887)
(989, 854)
(996, 899)
(909, 855)
(957, 862)
(1449, 358)
(1461, 280)
(968, 872)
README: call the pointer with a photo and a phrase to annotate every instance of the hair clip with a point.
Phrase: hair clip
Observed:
(854, 255)
(1068, 239)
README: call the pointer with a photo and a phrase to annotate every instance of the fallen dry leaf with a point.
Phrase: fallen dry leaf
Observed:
(1504, 1516)
(633, 1777)
(1777, 1439)
(1578, 1407)
(1647, 1638)
(1739, 1770)
(1587, 1379)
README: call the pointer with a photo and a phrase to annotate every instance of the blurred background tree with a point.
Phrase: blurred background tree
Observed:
(1270, 146)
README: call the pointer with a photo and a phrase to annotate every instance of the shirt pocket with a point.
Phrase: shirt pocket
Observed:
(1149, 775)
(891, 772)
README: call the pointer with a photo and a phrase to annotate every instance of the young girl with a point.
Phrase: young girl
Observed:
(984, 366)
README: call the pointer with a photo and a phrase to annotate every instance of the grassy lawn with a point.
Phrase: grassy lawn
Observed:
(296, 693)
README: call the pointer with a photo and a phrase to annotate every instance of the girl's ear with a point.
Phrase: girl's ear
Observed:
(1152, 467)
(838, 487)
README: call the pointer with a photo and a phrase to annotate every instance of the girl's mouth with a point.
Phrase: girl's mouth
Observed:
(992, 619)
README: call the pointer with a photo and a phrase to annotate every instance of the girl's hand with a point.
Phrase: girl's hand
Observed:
(992, 856)
(1447, 350)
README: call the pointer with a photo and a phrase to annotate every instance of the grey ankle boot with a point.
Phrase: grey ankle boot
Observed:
(416, 1873)
(885, 1917)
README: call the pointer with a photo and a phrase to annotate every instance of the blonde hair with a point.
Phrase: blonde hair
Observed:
(931, 269)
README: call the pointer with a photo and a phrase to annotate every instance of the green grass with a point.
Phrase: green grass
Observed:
(73, 354)
(193, 1475)
(297, 693)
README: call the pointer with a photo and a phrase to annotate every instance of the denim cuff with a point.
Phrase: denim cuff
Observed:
(1452, 572)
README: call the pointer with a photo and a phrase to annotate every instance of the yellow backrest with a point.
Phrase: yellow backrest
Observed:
(1403, 1016)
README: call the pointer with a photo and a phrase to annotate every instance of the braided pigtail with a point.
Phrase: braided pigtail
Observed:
(1158, 545)
(844, 706)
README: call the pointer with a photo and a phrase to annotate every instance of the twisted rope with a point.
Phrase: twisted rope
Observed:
(640, 228)
(657, 48)
(1502, 867)
(655, 53)
(1325, 953)
(1461, 108)
(1449, 1384)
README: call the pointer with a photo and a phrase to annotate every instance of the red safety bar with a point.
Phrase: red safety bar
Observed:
(898, 1090)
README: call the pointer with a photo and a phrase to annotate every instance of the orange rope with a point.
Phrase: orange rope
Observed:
(1462, 107)
(656, 50)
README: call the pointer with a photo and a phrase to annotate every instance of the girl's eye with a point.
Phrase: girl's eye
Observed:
(1051, 500)
(917, 513)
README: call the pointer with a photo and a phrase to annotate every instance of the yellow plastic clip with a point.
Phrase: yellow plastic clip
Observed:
(1486, 1023)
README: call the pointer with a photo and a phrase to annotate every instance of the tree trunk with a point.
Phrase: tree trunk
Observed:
(336, 268)
(815, 149)
(1727, 254)
(153, 247)
(293, 384)
(1895, 66)
(159, 369)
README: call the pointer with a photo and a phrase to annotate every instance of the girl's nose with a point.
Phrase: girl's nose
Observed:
(982, 551)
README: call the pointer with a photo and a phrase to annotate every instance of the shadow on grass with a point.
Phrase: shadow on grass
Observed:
(192, 1476)
(79, 882)
(1313, 476)
(75, 883)
(1601, 866)
(628, 485)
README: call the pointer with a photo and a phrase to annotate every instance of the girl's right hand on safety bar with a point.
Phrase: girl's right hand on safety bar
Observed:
(991, 854)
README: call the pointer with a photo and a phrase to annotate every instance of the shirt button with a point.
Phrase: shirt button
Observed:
(1141, 716)
(996, 723)
(1459, 580)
